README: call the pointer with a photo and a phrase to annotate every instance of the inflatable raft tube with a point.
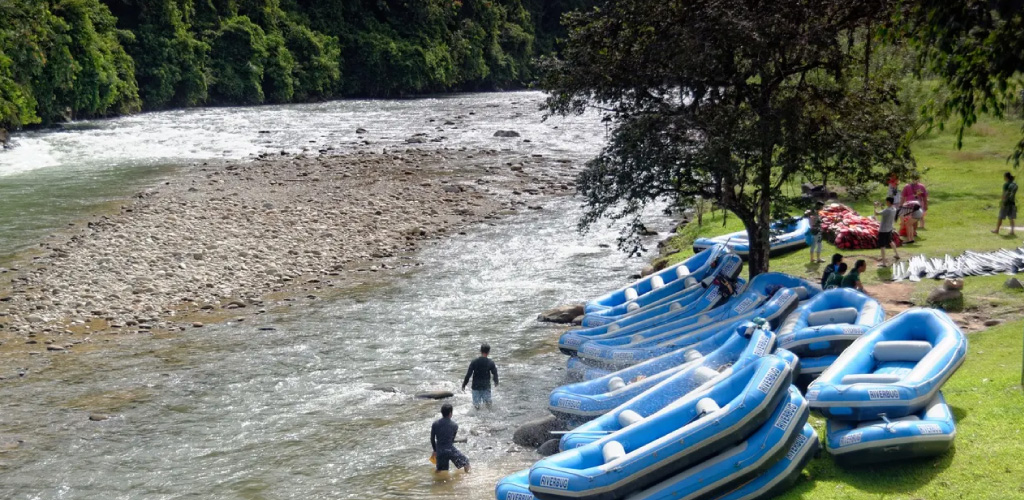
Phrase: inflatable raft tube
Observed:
(710, 294)
(747, 460)
(515, 486)
(745, 346)
(583, 401)
(643, 454)
(829, 322)
(790, 235)
(665, 282)
(644, 348)
(655, 288)
(780, 477)
(925, 434)
(896, 369)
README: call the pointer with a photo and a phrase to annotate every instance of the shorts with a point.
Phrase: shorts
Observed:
(1008, 212)
(451, 454)
(917, 214)
(884, 239)
(816, 242)
(481, 396)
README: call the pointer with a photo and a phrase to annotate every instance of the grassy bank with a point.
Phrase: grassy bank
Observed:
(964, 188)
(987, 460)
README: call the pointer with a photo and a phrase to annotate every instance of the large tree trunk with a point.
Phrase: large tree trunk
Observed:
(759, 227)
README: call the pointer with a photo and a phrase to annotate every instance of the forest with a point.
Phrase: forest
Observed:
(72, 59)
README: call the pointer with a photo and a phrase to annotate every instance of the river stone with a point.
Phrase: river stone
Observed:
(98, 417)
(506, 133)
(384, 388)
(949, 300)
(953, 284)
(435, 395)
(647, 271)
(535, 433)
(360, 130)
(1013, 283)
(561, 314)
(578, 320)
(992, 322)
(550, 447)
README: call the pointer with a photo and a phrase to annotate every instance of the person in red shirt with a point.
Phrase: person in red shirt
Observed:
(915, 191)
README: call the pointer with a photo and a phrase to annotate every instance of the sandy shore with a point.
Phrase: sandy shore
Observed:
(219, 242)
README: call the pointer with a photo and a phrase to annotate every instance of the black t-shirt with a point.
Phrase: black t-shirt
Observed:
(480, 369)
(442, 434)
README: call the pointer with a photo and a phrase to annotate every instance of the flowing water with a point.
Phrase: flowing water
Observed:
(290, 405)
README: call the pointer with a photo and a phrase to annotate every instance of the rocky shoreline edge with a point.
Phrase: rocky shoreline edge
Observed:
(225, 241)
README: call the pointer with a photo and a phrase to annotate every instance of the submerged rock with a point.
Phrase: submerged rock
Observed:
(434, 395)
(550, 447)
(506, 133)
(537, 432)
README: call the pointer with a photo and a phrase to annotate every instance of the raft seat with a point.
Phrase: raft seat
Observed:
(870, 378)
(901, 350)
(833, 316)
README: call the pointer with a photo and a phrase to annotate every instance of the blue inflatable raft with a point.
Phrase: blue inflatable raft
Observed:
(754, 455)
(829, 322)
(514, 487)
(619, 408)
(893, 370)
(786, 236)
(657, 286)
(927, 433)
(715, 289)
(780, 476)
(652, 450)
(625, 351)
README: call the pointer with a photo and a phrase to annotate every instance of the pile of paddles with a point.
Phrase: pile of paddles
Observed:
(695, 393)
(848, 230)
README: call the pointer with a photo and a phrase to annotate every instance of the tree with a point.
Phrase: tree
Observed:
(726, 101)
(976, 47)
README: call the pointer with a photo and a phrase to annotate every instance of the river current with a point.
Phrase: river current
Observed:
(296, 403)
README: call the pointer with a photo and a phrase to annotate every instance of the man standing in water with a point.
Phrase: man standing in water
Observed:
(481, 369)
(442, 440)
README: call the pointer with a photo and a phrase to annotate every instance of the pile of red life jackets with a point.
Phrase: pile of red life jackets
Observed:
(847, 229)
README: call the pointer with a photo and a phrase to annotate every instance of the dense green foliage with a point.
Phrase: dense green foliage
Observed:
(728, 101)
(61, 59)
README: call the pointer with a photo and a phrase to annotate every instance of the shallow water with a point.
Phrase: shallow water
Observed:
(233, 411)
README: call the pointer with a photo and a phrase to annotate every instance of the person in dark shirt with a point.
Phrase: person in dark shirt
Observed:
(852, 280)
(442, 440)
(481, 369)
(831, 268)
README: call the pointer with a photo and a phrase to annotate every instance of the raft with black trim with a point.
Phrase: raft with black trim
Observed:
(693, 429)
(780, 476)
(657, 286)
(617, 409)
(715, 289)
(829, 322)
(625, 351)
(746, 460)
(927, 433)
(787, 235)
(895, 369)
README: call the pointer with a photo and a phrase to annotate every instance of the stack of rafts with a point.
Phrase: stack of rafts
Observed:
(967, 264)
(882, 395)
(847, 229)
(693, 394)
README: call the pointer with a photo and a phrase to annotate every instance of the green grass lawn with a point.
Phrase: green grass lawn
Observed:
(964, 187)
(987, 459)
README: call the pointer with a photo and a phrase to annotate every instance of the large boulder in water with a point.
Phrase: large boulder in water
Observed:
(561, 314)
(537, 432)
(550, 447)
(506, 133)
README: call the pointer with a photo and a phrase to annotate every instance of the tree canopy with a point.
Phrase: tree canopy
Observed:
(62, 59)
(728, 101)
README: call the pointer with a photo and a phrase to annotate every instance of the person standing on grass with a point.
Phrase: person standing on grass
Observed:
(835, 280)
(894, 188)
(837, 258)
(1008, 204)
(886, 238)
(442, 440)
(915, 191)
(814, 240)
(481, 370)
(852, 280)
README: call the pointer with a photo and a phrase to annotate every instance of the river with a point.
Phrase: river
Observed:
(289, 405)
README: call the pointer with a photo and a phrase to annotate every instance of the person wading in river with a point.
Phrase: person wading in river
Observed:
(481, 369)
(442, 440)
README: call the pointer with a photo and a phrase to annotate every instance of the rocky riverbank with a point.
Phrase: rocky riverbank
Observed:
(221, 242)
